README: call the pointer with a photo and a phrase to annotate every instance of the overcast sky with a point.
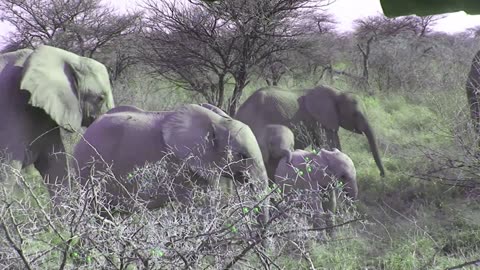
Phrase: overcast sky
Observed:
(346, 11)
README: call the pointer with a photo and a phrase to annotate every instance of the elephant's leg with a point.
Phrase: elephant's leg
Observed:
(271, 166)
(333, 141)
(318, 220)
(330, 208)
(317, 139)
(299, 144)
(52, 166)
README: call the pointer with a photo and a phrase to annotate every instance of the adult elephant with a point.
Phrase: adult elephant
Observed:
(473, 91)
(192, 135)
(41, 91)
(317, 107)
(215, 109)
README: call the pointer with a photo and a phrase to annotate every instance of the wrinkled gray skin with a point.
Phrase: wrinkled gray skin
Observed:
(473, 91)
(124, 108)
(320, 105)
(131, 137)
(215, 109)
(276, 142)
(324, 167)
(42, 91)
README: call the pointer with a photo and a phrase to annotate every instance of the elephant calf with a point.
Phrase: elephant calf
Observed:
(310, 171)
(276, 142)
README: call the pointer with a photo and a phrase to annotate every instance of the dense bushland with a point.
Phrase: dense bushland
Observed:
(410, 82)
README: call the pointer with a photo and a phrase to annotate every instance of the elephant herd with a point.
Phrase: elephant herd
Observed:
(48, 88)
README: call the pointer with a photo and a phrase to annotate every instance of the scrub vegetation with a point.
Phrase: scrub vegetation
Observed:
(409, 80)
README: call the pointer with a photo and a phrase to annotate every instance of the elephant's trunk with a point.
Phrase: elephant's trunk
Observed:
(110, 104)
(373, 147)
(259, 172)
(351, 188)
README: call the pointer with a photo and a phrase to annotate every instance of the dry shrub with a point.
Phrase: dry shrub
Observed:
(214, 230)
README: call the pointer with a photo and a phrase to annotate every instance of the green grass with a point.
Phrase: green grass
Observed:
(411, 224)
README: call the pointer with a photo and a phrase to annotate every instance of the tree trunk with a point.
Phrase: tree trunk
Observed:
(365, 55)
(240, 83)
(221, 90)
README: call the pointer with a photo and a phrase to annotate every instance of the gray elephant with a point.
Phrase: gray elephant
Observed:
(124, 108)
(215, 109)
(41, 91)
(192, 134)
(276, 142)
(473, 92)
(310, 171)
(312, 107)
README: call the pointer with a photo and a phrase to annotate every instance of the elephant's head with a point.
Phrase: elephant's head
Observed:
(335, 110)
(70, 88)
(309, 170)
(339, 165)
(279, 141)
(207, 139)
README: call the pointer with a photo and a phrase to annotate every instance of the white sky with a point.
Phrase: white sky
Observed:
(346, 11)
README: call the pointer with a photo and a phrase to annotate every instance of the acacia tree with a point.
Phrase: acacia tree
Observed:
(84, 27)
(311, 48)
(378, 28)
(200, 46)
(184, 45)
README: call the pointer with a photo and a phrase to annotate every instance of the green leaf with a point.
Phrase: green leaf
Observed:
(156, 252)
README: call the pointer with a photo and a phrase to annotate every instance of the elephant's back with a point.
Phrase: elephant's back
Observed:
(15, 58)
(125, 138)
(298, 171)
(269, 106)
(124, 108)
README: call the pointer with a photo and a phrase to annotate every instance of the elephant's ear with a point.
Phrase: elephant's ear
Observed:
(329, 159)
(15, 58)
(321, 106)
(50, 79)
(188, 131)
(339, 164)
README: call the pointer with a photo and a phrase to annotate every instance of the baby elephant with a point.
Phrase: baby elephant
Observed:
(310, 171)
(276, 142)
